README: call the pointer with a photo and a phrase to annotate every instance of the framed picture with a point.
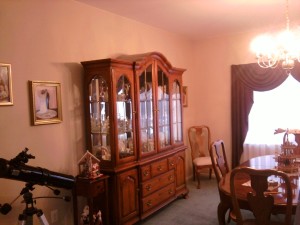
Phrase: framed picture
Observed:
(184, 96)
(46, 102)
(6, 94)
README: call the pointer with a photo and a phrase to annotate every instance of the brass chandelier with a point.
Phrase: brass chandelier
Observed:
(282, 48)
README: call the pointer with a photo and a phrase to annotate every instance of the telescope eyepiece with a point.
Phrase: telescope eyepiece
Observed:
(22, 158)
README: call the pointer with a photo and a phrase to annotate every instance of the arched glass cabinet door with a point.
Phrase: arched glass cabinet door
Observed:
(146, 109)
(163, 109)
(176, 112)
(124, 118)
(99, 111)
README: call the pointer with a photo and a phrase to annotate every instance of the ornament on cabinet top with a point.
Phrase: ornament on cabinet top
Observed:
(89, 166)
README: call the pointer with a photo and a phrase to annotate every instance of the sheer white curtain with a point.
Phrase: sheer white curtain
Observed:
(278, 108)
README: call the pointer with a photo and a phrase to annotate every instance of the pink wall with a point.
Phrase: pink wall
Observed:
(214, 58)
(46, 41)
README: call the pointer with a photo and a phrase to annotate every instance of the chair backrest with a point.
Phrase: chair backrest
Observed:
(199, 137)
(219, 159)
(260, 202)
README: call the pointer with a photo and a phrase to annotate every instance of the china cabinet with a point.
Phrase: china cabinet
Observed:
(134, 126)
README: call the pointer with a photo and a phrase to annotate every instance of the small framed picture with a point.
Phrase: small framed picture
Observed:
(184, 96)
(6, 94)
(45, 102)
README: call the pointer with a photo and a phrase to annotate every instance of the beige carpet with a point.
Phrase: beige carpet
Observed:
(199, 209)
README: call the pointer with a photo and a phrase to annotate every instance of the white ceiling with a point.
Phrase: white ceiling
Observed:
(196, 19)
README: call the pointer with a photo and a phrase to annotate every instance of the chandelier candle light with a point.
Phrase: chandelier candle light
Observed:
(282, 48)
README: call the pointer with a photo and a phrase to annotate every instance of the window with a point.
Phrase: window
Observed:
(278, 108)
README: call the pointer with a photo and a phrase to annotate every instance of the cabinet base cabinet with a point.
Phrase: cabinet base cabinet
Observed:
(125, 198)
(162, 181)
(146, 187)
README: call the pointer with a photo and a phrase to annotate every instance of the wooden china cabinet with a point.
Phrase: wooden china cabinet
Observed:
(134, 126)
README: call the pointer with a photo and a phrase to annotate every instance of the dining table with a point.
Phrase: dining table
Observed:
(260, 162)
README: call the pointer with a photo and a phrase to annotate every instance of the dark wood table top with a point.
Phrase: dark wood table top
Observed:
(261, 162)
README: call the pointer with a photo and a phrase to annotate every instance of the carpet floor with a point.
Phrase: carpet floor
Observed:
(200, 208)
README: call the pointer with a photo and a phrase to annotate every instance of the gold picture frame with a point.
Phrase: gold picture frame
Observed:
(184, 96)
(6, 94)
(45, 102)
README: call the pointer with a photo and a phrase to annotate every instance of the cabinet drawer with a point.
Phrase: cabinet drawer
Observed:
(90, 189)
(97, 188)
(158, 182)
(159, 167)
(158, 197)
(145, 171)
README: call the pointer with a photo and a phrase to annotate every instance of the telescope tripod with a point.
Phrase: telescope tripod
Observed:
(26, 218)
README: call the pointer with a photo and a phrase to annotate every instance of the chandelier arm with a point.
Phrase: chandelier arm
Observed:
(275, 64)
(287, 15)
(267, 63)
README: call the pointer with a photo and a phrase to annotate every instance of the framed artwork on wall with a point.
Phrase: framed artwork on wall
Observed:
(6, 94)
(184, 96)
(45, 102)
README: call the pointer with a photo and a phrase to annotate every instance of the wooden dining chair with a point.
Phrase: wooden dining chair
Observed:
(219, 162)
(260, 196)
(199, 137)
(218, 158)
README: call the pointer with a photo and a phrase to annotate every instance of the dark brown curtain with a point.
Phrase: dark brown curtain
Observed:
(245, 79)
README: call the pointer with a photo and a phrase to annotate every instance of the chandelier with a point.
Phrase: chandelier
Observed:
(281, 48)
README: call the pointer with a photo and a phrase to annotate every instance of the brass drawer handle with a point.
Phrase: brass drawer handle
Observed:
(146, 173)
(172, 164)
(171, 177)
(170, 192)
(149, 203)
(159, 168)
(148, 187)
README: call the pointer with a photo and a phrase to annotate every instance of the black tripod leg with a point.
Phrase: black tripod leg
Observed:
(42, 218)
(22, 219)
(25, 219)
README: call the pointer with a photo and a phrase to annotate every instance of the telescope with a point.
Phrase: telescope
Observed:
(16, 169)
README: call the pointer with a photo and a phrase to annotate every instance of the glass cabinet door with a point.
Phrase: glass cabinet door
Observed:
(146, 111)
(163, 106)
(176, 109)
(99, 111)
(124, 118)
